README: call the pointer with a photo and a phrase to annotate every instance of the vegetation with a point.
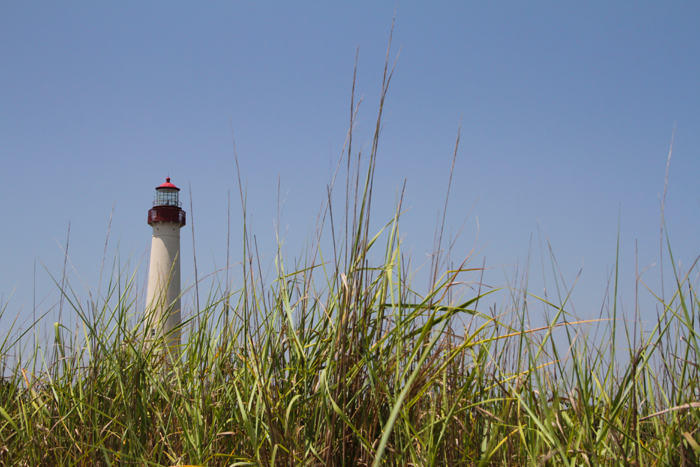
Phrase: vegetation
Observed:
(339, 361)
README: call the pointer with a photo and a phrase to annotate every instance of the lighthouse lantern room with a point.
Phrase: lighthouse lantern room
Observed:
(167, 206)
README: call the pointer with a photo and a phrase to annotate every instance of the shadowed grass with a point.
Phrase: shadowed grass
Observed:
(355, 369)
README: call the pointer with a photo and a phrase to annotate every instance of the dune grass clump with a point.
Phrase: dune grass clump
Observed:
(339, 361)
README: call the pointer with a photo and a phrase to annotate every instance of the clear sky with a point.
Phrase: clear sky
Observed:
(567, 109)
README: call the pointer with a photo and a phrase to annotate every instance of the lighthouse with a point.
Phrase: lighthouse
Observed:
(166, 217)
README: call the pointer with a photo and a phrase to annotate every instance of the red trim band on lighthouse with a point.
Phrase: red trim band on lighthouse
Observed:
(166, 214)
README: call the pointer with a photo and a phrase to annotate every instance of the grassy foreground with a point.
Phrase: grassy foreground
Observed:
(339, 362)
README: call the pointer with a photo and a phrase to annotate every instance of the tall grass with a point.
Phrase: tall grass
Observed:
(339, 361)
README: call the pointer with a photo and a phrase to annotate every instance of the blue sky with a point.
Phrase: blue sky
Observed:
(567, 113)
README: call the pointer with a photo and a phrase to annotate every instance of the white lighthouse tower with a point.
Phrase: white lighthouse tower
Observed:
(163, 299)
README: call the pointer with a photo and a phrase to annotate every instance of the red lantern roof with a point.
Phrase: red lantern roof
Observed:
(167, 184)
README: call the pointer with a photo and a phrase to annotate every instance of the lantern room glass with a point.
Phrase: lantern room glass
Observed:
(167, 197)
